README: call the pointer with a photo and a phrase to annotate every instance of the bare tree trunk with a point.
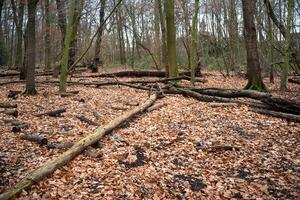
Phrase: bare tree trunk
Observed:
(194, 42)
(68, 38)
(97, 58)
(171, 38)
(31, 49)
(47, 36)
(163, 37)
(285, 67)
(253, 69)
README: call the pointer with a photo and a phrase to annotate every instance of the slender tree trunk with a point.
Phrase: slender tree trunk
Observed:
(47, 36)
(157, 33)
(285, 67)
(233, 35)
(31, 49)
(253, 69)
(171, 38)
(271, 53)
(73, 44)
(97, 58)
(194, 42)
(163, 37)
(67, 42)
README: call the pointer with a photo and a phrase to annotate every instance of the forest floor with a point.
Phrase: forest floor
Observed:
(170, 144)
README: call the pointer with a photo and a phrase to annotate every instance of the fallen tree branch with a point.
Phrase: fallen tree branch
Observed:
(35, 138)
(8, 105)
(54, 113)
(294, 80)
(49, 167)
(290, 117)
(161, 74)
(86, 120)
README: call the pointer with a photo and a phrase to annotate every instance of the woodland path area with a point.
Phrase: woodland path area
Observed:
(183, 149)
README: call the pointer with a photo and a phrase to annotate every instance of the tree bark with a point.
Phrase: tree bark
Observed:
(47, 37)
(171, 38)
(253, 68)
(97, 58)
(31, 49)
(52, 165)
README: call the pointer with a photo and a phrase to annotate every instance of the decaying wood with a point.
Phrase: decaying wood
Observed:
(13, 113)
(18, 128)
(214, 105)
(13, 94)
(294, 80)
(86, 120)
(155, 107)
(7, 105)
(54, 113)
(218, 148)
(132, 74)
(67, 94)
(35, 138)
(96, 115)
(274, 103)
(37, 175)
(290, 117)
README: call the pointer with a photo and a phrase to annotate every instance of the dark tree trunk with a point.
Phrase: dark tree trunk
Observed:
(30, 76)
(253, 68)
(97, 59)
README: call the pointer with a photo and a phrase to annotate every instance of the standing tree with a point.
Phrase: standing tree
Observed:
(97, 58)
(171, 38)
(18, 20)
(47, 36)
(194, 42)
(253, 68)
(31, 48)
(70, 34)
(285, 67)
(163, 37)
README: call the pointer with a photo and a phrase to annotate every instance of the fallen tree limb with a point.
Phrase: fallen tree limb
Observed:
(275, 103)
(18, 128)
(54, 113)
(41, 140)
(294, 80)
(290, 117)
(49, 167)
(131, 74)
(86, 120)
(8, 105)
(13, 113)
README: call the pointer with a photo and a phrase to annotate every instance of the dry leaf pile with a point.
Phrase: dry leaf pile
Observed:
(183, 150)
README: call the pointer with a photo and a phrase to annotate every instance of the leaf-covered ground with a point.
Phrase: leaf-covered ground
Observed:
(163, 154)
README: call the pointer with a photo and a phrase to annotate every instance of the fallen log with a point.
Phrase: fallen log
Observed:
(96, 115)
(13, 94)
(8, 105)
(35, 138)
(86, 120)
(13, 113)
(215, 105)
(131, 74)
(18, 128)
(155, 107)
(289, 117)
(54, 113)
(294, 80)
(275, 103)
(37, 175)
